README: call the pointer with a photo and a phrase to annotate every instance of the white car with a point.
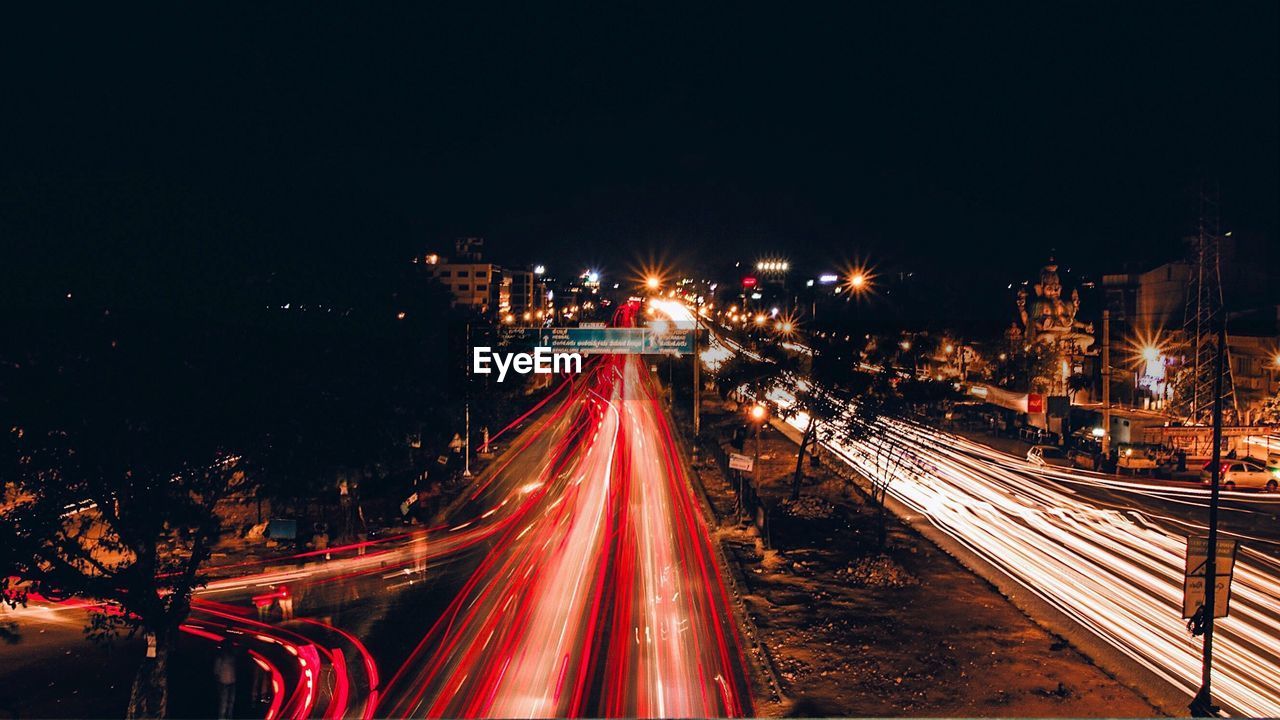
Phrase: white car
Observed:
(1239, 474)
(1047, 455)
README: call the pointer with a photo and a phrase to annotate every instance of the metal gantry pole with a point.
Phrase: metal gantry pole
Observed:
(697, 388)
(1202, 705)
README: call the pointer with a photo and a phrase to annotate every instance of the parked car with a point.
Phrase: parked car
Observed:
(1083, 458)
(1047, 455)
(1237, 474)
(1137, 460)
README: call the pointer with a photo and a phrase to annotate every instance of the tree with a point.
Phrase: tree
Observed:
(1270, 411)
(121, 442)
(879, 410)
(809, 379)
(1077, 382)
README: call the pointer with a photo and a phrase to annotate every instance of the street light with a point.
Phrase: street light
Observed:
(652, 282)
(759, 415)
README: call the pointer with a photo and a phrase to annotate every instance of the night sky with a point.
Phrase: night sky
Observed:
(177, 147)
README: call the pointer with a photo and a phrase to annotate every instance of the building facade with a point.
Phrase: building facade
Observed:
(471, 282)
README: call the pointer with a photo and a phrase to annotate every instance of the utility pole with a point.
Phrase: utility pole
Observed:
(1106, 382)
(1202, 705)
(466, 412)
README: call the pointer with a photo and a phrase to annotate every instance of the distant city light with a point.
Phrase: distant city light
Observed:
(1099, 432)
(828, 279)
(773, 266)
(539, 269)
(756, 296)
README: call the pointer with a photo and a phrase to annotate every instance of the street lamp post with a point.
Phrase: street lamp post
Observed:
(759, 414)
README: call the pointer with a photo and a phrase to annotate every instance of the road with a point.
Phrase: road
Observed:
(575, 577)
(1107, 552)
(600, 597)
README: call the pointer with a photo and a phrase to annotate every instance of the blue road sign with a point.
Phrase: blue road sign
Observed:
(604, 341)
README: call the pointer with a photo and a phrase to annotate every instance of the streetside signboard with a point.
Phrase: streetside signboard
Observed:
(740, 462)
(605, 341)
(1193, 590)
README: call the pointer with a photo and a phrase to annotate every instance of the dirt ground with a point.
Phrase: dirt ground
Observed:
(853, 632)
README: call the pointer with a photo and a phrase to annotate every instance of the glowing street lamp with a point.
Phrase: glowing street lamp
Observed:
(759, 413)
(652, 282)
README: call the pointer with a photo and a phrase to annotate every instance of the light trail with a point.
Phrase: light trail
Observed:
(1111, 571)
(600, 596)
(1118, 572)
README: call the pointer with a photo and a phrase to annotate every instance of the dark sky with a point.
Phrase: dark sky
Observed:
(182, 143)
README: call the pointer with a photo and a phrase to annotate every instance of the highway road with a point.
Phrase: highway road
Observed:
(1107, 552)
(576, 577)
(600, 596)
